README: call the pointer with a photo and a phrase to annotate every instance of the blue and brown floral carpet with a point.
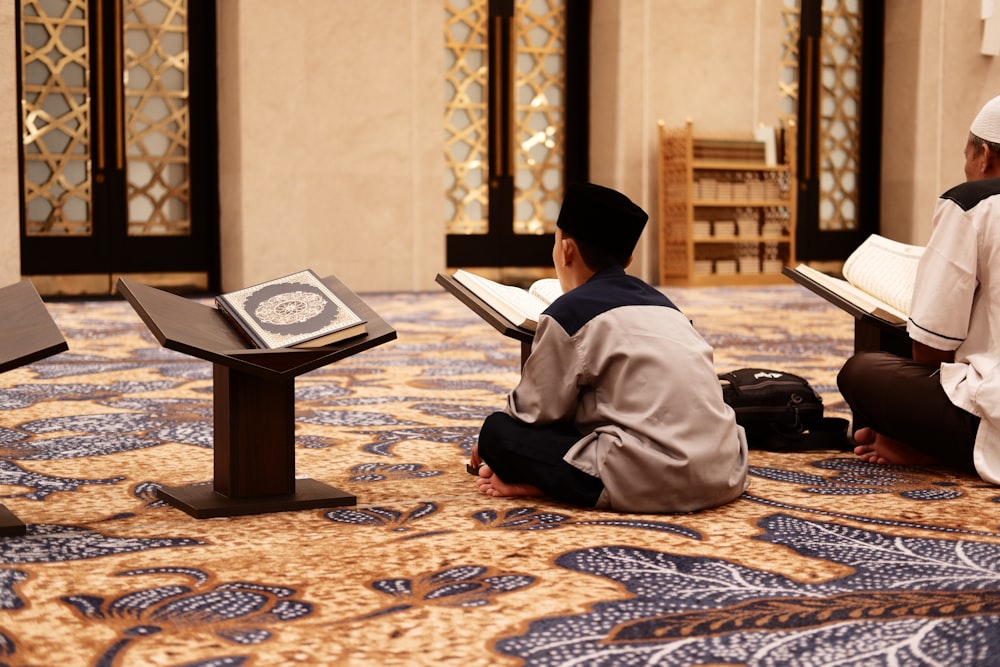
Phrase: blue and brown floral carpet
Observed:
(824, 561)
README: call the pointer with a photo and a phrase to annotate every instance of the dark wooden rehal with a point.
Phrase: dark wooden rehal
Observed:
(488, 313)
(254, 403)
(871, 333)
(29, 334)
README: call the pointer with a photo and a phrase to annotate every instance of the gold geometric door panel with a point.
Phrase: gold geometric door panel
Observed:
(113, 94)
(56, 66)
(465, 118)
(539, 115)
(515, 82)
(157, 146)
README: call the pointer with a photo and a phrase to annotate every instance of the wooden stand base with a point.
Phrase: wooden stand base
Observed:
(10, 525)
(202, 501)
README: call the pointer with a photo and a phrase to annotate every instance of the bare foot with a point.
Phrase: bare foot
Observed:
(492, 485)
(877, 448)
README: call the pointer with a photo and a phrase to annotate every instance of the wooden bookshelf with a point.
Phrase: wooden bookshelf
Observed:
(726, 215)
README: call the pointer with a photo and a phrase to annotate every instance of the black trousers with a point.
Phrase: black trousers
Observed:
(520, 453)
(903, 399)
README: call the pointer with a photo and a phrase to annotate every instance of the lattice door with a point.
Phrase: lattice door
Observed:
(510, 139)
(831, 85)
(109, 102)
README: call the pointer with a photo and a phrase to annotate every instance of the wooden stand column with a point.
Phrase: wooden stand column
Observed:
(254, 435)
(254, 404)
(874, 335)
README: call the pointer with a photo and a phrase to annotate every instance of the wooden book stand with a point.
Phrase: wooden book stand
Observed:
(254, 403)
(29, 334)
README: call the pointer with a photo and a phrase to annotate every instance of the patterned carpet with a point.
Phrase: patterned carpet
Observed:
(824, 561)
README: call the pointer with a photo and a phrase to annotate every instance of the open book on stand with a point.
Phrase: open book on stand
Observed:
(297, 310)
(878, 279)
(521, 307)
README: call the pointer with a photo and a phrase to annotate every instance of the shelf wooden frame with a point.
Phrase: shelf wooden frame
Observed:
(680, 205)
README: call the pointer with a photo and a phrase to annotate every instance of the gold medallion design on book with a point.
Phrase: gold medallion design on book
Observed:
(291, 308)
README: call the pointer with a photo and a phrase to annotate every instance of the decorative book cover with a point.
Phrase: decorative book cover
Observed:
(297, 310)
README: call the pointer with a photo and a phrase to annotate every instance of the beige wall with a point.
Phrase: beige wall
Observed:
(330, 141)
(330, 117)
(10, 262)
(936, 80)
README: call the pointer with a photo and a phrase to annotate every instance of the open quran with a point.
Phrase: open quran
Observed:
(521, 307)
(878, 279)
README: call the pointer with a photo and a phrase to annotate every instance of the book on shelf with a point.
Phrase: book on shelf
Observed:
(878, 279)
(297, 310)
(521, 307)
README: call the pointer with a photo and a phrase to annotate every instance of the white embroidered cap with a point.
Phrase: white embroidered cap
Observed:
(987, 123)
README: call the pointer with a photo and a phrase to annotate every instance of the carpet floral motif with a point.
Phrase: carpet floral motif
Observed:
(825, 560)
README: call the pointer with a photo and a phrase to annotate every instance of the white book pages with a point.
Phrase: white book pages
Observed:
(546, 289)
(885, 269)
(843, 289)
(513, 303)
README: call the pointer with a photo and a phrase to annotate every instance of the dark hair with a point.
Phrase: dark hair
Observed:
(977, 142)
(597, 257)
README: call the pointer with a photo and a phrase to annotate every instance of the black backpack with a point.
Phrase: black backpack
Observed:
(780, 411)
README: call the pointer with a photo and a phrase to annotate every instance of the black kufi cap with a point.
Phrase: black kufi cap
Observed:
(602, 216)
